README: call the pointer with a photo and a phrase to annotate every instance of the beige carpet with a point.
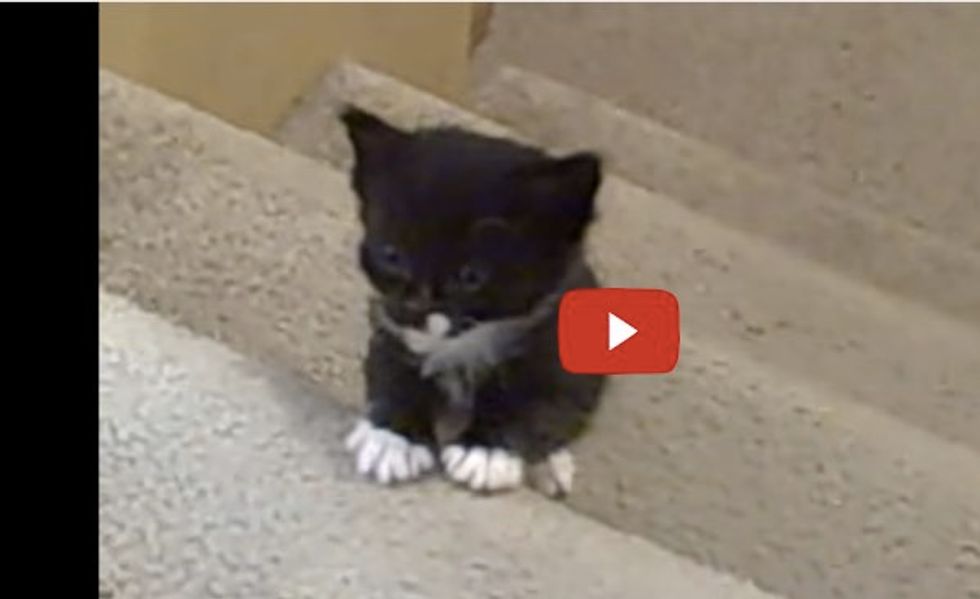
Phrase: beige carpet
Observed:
(877, 103)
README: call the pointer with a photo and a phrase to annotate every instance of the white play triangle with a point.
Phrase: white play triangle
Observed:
(619, 331)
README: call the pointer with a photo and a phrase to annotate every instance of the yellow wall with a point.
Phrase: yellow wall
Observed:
(248, 63)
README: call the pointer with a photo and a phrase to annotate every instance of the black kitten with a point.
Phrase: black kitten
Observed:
(469, 242)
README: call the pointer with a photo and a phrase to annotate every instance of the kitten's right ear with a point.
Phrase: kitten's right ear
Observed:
(371, 137)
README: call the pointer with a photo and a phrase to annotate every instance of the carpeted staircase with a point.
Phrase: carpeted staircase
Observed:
(819, 436)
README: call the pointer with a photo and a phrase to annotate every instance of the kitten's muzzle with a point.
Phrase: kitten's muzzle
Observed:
(410, 313)
(415, 314)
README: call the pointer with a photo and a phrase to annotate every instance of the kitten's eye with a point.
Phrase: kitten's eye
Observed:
(390, 258)
(472, 278)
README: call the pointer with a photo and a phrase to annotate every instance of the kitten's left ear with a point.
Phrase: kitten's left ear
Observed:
(564, 190)
(372, 138)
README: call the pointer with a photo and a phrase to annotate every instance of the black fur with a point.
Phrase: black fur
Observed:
(479, 229)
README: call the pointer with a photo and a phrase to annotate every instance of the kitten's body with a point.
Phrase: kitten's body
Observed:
(469, 242)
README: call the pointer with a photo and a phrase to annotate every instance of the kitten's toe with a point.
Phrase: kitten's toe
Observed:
(483, 469)
(369, 452)
(466, 466)
(357, 436)
(392, 466)
(555, 475)
(420, 460)
(387, 457)
(505, 470)
(452, 456)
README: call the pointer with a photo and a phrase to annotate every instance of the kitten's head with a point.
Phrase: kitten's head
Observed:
(477, 228)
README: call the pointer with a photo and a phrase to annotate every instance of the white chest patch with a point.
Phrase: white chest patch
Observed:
(426, 341)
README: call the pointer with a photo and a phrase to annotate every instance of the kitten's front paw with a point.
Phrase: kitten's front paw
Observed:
(483, 469)
(554, 476)
(387, 457)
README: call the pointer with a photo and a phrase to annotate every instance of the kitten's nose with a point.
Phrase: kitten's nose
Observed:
(423, 294)
(416, 307)
(421, 298)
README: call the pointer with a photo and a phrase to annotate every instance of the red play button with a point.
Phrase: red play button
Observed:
(618, 331)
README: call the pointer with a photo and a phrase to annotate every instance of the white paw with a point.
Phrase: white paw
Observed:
(562, 465)
(387, 457)
(554, 476)
(483, 469)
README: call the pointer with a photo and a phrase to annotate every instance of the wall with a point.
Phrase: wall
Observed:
(250, 63)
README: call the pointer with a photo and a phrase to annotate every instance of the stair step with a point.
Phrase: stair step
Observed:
(218, 476)
(873, 104)
(862, 243)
